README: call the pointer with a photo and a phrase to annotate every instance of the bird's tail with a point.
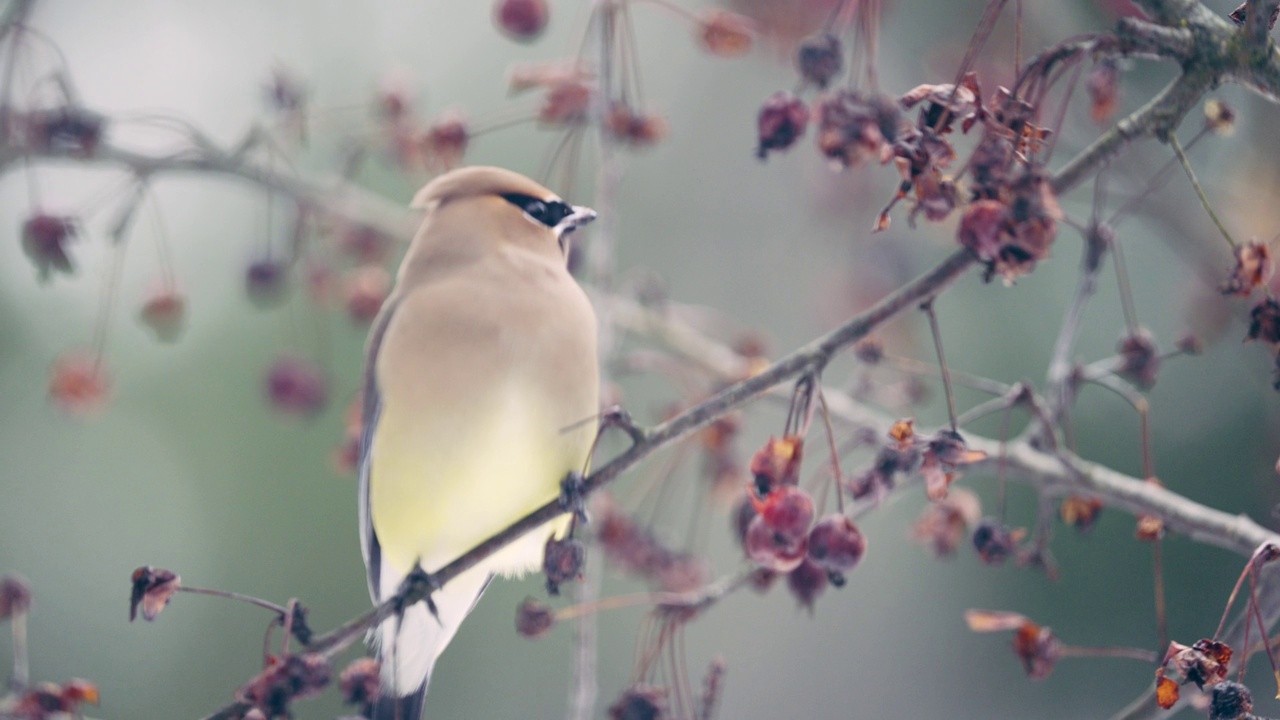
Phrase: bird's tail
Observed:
(409, 645)
(405, 707)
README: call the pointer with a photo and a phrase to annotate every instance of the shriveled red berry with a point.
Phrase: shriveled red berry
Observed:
(562, 561)
(836, 544)
(771, 551)
(364, 244)
(522, 20)
(165, 313)
(15, 596)
(266, 281)
(725, 33)
(1230, 701)
(78, 383)
(820, 58)
(995, 541)
(782, 120)
(1103, 86)
(364, 291)
(152, 590)
(806, 583)
(360, 682)
(1140, 357)
(296, 386)
(788, 512)
(1264, 321)
(533, 619)
(640, 702)
(44, 240)
(445, 142)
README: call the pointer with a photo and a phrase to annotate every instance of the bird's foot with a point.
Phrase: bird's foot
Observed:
(573, 497)
(417, 586)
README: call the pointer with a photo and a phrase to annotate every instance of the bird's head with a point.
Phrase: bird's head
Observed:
(488, 204)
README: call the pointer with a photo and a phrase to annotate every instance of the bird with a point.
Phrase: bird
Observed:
(481, 381)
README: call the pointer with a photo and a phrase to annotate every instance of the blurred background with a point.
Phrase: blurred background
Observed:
(190, 468)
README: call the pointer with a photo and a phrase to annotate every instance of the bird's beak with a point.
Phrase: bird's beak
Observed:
(579, 217)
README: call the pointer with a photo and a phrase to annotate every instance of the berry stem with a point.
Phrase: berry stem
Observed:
(927, 307)
(1195, 184)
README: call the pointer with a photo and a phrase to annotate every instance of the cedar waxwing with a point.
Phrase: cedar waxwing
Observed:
(481, 380)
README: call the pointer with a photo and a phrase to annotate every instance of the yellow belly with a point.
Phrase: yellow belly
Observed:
(442, 483)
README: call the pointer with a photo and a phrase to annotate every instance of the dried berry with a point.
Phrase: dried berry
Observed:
(1264, 321)
(771, 551)
(995, 541)
(296, 386)
(635, 128)
(1149, 528)
(944, 525)
(854, 127)
(1204, 663)
(983, 228)
(152, 590)
(1080, 512)
(782, 120)
(266, 281)
(1140, 359)
(945, 103)
(364, 291)
(777, 464)
(1230, 701)
(788, 512)
(1252, 270)
(44, 240)
(562, 562)
(78, 383)
(566, 103)
(522, 20)
(806, 583)
(1103, 86)
(76, 691)
(820, 58)
(640, 702)
(15, 596)
(360, 682)
(836, 544)
(444, 143)
(533, 619)
(725, 33)
(295, 677)
(364, 244)
(1038, 649)
(164, 312)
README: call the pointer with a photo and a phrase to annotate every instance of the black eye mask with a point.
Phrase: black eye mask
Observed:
(547, 212)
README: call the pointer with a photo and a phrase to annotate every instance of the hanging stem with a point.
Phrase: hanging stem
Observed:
(1195, 183)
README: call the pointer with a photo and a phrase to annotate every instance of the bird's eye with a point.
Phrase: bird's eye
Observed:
(549, 213)
(538, 211)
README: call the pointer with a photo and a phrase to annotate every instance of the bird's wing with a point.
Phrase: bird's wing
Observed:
(371, 410)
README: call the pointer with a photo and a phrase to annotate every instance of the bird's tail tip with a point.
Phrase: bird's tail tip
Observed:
(403, 707)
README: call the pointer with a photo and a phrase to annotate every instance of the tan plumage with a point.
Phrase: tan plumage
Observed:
(481, 369)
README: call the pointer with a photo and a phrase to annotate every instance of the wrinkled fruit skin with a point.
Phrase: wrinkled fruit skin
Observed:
(835, 544)
(782, 120)
(771, 551)
(522, 20)
(788, 511)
